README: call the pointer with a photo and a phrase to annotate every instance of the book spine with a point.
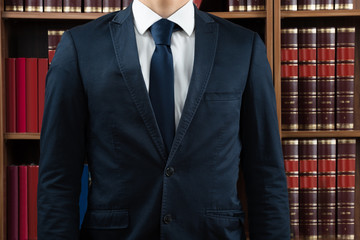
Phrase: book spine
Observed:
(344, 4)
(325, 79)
(289, 5)
(308, 188)
(197, 3)
(306, 4)
(92, 6)
(52, 5)
(289, 79)
(237, 5)
(326, 188)
(72, 6)
(34, 6)
(345, 75)
(324, 4)
(125, 3)
(346, 155)
(20, 95)
(23, 203)
(54, 37)
(31, 95)
(307, 79)
(291, 162)
(12, 202)
(14, 5)
(33, 172)
(255, 5)
(111, 5)
(10, 94)
(42, 71)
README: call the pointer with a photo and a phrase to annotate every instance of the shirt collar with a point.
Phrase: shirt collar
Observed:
(144, 17)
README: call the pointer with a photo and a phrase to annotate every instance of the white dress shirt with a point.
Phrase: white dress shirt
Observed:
(182, 47)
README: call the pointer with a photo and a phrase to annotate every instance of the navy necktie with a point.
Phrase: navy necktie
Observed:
(161, 89)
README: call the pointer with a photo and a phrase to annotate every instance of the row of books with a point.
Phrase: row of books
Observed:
(246, 5)
(317, 78)
(25, 93)
(22, 184)
(295, 5)
(321, 186)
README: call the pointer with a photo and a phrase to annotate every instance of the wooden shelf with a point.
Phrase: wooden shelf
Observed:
(91, 16)
(22, 136)
(317, 134)
(321, 13)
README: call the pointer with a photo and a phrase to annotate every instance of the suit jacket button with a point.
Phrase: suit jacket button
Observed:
(167, 219)
(169, 171)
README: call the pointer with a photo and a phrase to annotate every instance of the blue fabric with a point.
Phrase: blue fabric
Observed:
(161, 88)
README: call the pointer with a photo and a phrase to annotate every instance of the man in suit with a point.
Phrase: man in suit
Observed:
(164, 157)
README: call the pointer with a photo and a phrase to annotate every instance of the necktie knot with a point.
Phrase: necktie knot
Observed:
(161, 32)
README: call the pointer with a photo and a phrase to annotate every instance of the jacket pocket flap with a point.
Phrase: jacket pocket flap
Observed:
(106, 219)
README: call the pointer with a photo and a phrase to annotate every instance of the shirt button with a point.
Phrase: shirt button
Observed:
(169, 171)
(167, 219)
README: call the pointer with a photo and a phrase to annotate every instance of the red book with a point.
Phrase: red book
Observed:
(33, 172)
(23, 203)
(34, 6)
(344, 4)
(197, 3)
(346, 155)
(51, 54)
(111, 6)
(20, 94)
(72, 6)
(14, 5)
(307, 79)
(237, 5)
(125, 3)
(10, 76)
(291, 161)
(289, 79)
(308, 188)
(326, 188)
(52, 5)
(92, 6)
(31, 96)
(54, 37)
(325, 79)
(289, 5)
(42, 71)
(255, 5)
(345, 76)
(12, 202)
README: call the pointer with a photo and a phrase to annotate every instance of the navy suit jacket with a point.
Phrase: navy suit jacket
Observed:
(97, 108)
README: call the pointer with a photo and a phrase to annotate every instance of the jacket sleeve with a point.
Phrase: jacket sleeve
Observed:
(62, 146)
(261, 155)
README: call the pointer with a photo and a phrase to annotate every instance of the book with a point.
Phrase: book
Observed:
(345, 76)
(289, 5)
(308, 188)
(197, 3)
(12, 202)
(289, 79)
(255, 5)
(307, 79)
(10, 78)
(72, 6)
(33, 172)
(14, 5)
(20, 94)
(324, 4)
(54, 37)
(346, 155)
(325, 84)
(92, 6)
(84, 193)
(326, 188)
(111, 5)
(344, 4)
(23, 203)
(237, 5)
(52, 5)
(34, 6)
(125, 3)
(42, 71)
(31, 95)
(306, 5)
(291, 161)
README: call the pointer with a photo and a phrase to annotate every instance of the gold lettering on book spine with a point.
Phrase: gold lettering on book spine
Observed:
(237, 8)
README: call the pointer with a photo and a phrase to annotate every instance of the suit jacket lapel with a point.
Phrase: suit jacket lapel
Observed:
(206, 36)
(124, 40)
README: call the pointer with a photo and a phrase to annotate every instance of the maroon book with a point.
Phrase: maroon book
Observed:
(12, 202)
(307, 79)
(308, 188)
(289, 5)
(111, 6)
(289, 79)
(327, 188)
(52, 5)
(14, 5)
(306, 5)
(237, 5)
(34, 6)
(23, 203)
(346, 155)
(10, 74)
(325, 78)
(345, 76)
(54, 37)
(20, 67)
(291, 160)
(92, 6)
(324, 4)
(33, 173)
(125, 3)
(72, 6)
(344, 4)
(255, 5)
